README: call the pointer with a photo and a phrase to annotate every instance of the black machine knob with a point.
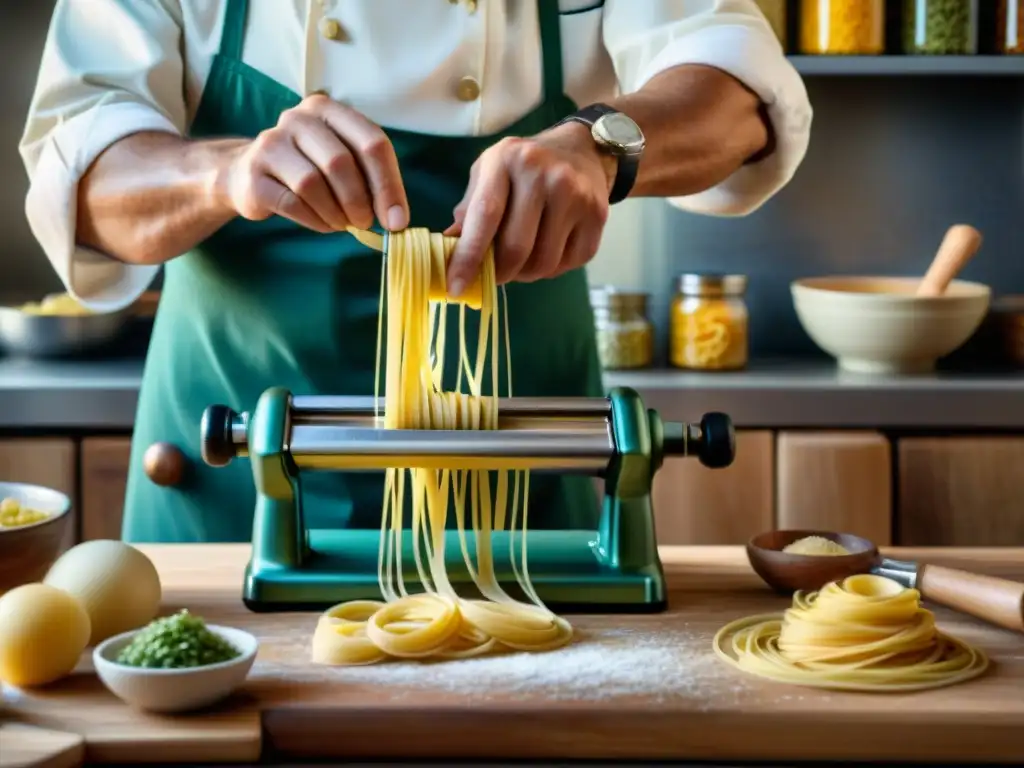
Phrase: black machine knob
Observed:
(218, 445)
(717, 447)
(713, 441)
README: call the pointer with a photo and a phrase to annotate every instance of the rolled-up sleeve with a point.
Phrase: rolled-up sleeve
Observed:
(649, 37)
(110, 68)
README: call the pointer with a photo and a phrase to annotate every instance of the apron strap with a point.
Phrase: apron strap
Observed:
(551, 47)
(233, 35)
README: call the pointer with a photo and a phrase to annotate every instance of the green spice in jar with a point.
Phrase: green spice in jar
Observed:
(940, 27)
(846, 27)
(625, 337)
(1010, 27)
(176, 642)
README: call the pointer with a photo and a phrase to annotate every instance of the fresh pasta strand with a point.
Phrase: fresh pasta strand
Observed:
(866, 633)
(437, 623)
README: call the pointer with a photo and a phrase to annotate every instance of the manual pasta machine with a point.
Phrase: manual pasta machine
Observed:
(612, 569)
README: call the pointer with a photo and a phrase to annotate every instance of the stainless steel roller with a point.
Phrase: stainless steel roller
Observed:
(563, 434)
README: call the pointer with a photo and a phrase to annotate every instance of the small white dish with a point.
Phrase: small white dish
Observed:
(174, 690)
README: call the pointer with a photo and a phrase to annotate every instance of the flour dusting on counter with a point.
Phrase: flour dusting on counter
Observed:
(599, 665)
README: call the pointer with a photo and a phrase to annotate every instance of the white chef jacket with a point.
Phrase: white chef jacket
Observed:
(112, 68)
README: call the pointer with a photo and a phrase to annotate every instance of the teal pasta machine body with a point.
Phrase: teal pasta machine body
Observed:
(613, 568)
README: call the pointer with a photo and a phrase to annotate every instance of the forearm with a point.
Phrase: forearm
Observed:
(153, 196)
(701, 126)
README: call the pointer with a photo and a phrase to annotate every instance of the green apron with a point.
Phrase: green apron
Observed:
(269, 303)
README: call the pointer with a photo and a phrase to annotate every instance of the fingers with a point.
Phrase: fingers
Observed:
(271, 197)
(373, 151)
(549, 250)
(338, 167)
(324, 166)
(539, 201)
(484, 212)
(519, 230)
(281, 160)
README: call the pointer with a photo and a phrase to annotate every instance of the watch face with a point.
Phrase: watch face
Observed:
(620, 132)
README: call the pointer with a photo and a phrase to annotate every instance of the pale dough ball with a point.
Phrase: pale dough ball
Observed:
(43, 631)
(117, 584)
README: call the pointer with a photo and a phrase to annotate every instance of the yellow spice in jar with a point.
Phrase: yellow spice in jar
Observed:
(842, 26)
(815, 545)
(708, 334)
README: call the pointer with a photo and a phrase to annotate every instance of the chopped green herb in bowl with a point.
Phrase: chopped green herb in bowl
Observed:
(180, 641)
(175, 664)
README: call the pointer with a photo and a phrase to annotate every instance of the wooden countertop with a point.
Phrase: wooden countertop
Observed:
(641, 687)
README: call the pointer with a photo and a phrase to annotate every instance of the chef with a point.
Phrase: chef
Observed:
(231, 142)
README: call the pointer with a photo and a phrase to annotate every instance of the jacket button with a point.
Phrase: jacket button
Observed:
(468, 89)
(330, 28)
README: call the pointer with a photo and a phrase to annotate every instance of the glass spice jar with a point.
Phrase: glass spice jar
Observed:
(850, 27)
(709, 323)
(940, 27)
(775, 12)
(1010, 27)
(625, 336)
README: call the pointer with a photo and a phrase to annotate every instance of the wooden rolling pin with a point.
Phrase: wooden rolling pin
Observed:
(998, 601)
(958, 247)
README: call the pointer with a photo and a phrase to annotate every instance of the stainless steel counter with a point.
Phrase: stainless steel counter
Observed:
(103, 396)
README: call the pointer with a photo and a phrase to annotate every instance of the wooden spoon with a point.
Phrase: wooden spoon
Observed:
(997, 601)
(958, 247)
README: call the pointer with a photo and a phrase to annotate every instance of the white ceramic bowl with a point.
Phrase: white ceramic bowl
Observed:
(28, 551)
(877, 325)
(174, 690)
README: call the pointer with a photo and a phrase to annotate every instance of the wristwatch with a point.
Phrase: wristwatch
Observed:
(618, 135)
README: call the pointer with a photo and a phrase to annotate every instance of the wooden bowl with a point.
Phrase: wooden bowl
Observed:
(27, 552)
(786, 573)
(876, 325)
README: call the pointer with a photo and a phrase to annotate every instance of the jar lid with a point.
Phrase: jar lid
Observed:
(610, 297)
(711, 284)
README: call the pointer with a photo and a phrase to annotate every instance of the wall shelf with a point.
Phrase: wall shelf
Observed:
(854, 66)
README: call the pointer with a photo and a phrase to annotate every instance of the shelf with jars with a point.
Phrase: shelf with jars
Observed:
(858, 66)
(902, 37)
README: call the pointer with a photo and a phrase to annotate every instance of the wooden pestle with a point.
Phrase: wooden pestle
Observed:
(473, 295)
(958, 247)
(995, 600)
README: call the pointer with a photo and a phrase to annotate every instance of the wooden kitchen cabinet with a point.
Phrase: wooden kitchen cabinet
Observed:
(46, 461)
(697, 505)
(961, 491)
(836, 481)
(105, 463)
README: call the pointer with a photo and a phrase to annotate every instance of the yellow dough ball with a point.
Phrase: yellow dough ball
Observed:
(43, 631)
(117, 585)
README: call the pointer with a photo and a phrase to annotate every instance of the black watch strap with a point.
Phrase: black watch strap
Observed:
(627, 166)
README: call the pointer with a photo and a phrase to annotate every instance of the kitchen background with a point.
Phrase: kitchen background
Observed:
(902, 147)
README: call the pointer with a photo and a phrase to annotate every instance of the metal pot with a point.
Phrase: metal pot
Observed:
(37, 335)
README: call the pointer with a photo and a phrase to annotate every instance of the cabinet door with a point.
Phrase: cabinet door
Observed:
(836, 481)
(46, 461)
(697, 505)
(104, 478)
(961, 491)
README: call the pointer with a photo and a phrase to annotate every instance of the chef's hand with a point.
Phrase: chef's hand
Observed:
(323, 166)
(542, 201)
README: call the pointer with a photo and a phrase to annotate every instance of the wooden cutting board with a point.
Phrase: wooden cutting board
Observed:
(111, 732)
(640, 687)
(25, 746)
